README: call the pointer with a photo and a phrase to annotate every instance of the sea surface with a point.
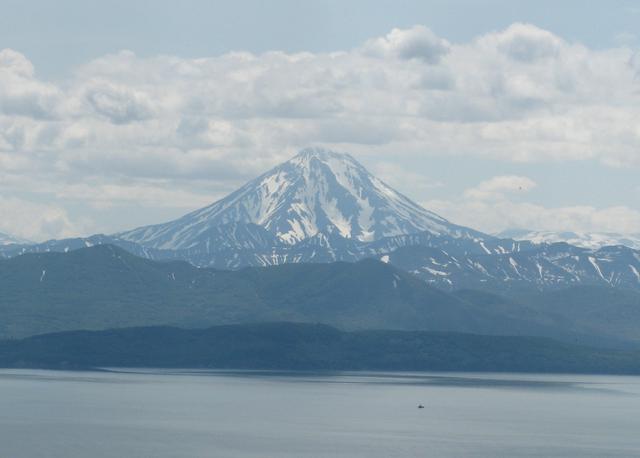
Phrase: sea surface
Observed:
(161, 414)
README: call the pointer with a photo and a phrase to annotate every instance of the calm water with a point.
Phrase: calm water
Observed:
(159, 414)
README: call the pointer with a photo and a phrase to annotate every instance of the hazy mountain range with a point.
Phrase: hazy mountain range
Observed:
(591, 240)
(7, 239)
(323, 206)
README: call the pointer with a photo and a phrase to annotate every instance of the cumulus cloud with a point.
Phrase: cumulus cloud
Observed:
(521, 94)
(21, 94)
(499, 203)
(497, 216)
(525, 43)
(417, 42)
(118, 104)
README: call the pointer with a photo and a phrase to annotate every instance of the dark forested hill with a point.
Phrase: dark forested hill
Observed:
(106, 287)
(291, 346)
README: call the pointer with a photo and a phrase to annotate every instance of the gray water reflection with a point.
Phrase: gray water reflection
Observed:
(143, 413)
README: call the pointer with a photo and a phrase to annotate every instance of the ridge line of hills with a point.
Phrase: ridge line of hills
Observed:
(106, 287)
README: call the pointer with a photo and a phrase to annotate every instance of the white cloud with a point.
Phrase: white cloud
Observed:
(497, 204)
(21, 94)
(141, 193)
(118, 104)
(521, 94)
(525, 43)
(417, 42)
(499, 187)
(399, 177)
(34, 221)
(495, 217)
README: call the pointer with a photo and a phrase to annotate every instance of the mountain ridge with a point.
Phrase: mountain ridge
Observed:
(8, 239)
(105, 286)
(323, 207)
(592, 240)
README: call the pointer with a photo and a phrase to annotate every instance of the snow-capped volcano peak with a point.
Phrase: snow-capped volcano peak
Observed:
(305, 156)
(317, 191)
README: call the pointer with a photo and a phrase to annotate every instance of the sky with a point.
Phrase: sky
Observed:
(494, 114)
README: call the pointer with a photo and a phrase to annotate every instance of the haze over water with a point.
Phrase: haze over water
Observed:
(240, 414)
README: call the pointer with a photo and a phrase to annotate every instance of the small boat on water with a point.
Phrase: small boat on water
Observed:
(420, 406)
